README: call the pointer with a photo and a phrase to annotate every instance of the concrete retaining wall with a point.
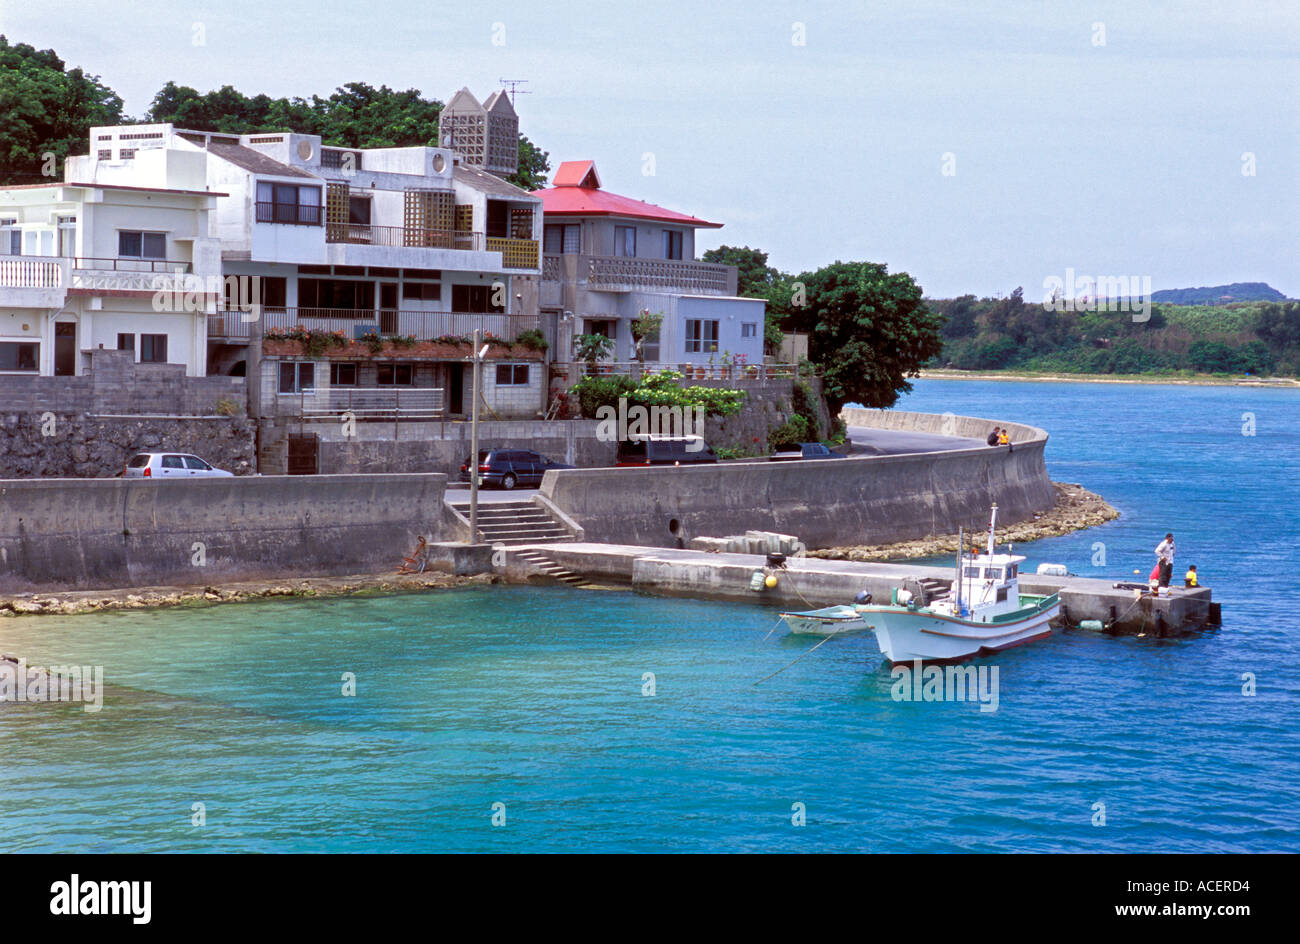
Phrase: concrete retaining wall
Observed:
(70, 533)
(868, 500)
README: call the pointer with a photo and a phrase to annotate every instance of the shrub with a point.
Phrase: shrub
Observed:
(793, 431)
(533, 339)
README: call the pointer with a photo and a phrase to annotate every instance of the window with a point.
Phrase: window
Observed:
(67, 235)
(197, 464)
(701, 337)
(126, 154)
(672, 244)
(498, 218)
(395, 375)
(424, 291)
(126, 342)
(20, 355)
(359, 210)
(288, 203)
(105, 154)
(343, 375)
(153, 349)
(512, 375)
(625, 240)
(297, 377)
(139, 245)
(560, 238)
(11, 238)
(474, 298)
(358, 297)
(173, 462)
(749, 329)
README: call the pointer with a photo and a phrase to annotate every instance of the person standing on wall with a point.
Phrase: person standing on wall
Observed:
(1165, 559)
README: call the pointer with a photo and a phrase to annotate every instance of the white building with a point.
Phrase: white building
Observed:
(88, 265)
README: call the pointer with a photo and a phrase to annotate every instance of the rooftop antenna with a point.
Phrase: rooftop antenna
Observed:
(512, 85)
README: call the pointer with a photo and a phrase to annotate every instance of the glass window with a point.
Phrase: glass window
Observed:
(749, 329)
(512, 375)
(194, 462)
(126, 342)
(297, 377)
(672, 244)
(153, 348)
(343, 375)
(701, 336)
(139, 245)
(173, 462)
(394, 375)
(359, 211)
(625, 240)
(19, 355)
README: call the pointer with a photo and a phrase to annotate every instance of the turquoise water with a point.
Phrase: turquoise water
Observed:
(533, 697)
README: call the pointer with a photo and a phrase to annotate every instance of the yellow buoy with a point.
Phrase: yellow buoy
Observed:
(770, 581)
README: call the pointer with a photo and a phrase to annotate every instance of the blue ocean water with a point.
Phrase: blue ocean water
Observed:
(534, 698)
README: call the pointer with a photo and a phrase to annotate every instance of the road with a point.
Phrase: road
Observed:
(891, 442)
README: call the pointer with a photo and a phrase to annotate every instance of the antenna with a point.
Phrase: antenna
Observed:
(512, 85)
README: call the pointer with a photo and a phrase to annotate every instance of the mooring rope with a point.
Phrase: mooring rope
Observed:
(809, 652)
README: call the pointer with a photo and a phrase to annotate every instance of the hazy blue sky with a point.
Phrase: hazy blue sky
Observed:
(1115, 159)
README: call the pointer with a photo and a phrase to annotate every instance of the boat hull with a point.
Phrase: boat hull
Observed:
(831, 621)
(908, 635)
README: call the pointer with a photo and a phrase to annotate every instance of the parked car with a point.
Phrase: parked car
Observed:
(149, 465)
(507, 468)
(664, 450)
(807, 451)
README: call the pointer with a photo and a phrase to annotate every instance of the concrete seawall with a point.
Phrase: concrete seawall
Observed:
(862, 500)
(85, 534)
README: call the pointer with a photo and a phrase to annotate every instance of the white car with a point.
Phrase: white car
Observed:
(164, 465)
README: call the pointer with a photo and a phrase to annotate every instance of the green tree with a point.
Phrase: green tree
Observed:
(534, 166)
(48, 110)
(869, 331)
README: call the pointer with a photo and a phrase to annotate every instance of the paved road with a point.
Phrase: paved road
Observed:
(889, 442)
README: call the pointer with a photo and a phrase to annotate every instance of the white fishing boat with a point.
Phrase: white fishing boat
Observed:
(983, 611)
(829, 621)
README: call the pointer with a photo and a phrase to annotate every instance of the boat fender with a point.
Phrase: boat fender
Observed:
(903, 597)
(1091, 625)
(863, 597)
(770, 581)
(756, 581)
(913, 586)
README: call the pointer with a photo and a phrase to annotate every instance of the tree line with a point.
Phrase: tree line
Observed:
(50, 109)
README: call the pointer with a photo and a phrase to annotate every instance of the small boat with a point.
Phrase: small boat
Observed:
(829, 621)
(983, 611)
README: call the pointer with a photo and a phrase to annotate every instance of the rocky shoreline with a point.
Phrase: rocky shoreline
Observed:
(1076, 509)
(138, 598)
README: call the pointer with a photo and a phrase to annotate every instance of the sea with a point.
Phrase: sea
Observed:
(552, 719)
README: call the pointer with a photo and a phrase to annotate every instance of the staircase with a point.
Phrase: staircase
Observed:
(539, 563)
(512, 523)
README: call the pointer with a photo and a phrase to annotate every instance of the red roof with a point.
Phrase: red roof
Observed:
(576, 192)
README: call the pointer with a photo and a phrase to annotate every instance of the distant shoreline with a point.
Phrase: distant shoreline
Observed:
(1205, 380)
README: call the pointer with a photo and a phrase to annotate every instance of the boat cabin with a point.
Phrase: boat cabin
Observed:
(989, 585)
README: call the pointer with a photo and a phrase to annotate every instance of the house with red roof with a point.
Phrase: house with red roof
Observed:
(607, 258)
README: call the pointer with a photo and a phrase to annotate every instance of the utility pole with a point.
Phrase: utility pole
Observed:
(473, 443)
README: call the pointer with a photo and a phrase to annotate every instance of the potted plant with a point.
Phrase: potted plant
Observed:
(593, 347)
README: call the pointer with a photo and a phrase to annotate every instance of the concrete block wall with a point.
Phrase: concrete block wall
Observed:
(863, 500)
(86, 534)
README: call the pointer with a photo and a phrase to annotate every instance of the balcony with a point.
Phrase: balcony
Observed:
(128, 275)
(632, 273)
(515, 253)
(365, 234)
(32, 282)
(234, 326)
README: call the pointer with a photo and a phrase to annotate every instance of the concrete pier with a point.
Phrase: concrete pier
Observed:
(807, 583)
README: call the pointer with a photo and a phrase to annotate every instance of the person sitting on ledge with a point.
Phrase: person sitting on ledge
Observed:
(1005, 440)
(1189, 579)
(994, 437)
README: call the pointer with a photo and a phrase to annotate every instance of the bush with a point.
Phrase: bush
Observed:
(793, 431)
(658, 389)
(533, 339)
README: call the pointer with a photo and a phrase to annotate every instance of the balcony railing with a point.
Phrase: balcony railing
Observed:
(17, 272)
(105, 264)
(233, 325)
(365, 234)
(409, 402)
(631, 273)
(298, 214)
(515, 253)
(732, 375)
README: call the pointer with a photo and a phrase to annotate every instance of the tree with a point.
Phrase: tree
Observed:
(869, 330)
(534, 166)
(48, 110)
(753, 275)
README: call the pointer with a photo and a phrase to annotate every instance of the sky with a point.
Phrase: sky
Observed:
(978, 146)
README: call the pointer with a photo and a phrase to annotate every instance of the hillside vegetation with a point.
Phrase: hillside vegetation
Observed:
(1261, 338)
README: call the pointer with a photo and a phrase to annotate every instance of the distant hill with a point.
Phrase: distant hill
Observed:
(1220, 294)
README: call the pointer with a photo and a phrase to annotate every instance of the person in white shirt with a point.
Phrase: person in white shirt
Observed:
(1165, 559)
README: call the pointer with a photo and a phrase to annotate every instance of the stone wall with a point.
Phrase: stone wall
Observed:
(861, 500)
(86, 534)
(89, 426)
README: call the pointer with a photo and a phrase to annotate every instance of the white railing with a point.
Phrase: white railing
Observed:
(629, 272)
(370, 401)
(17, 272)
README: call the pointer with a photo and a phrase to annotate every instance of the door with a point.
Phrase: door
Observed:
(302, 454)
(531, 463)
(173, 467)
(65, 349)
(455, 388)
(388, 308)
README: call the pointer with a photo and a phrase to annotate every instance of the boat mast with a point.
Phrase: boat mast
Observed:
(992, 524)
